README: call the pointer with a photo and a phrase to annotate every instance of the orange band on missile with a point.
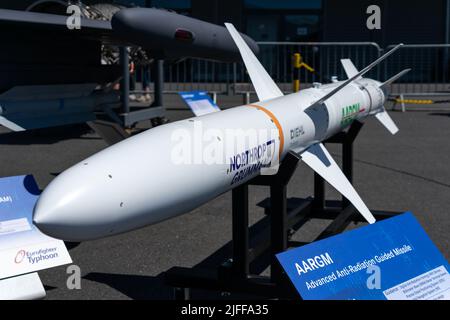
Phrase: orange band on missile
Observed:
(277, 124)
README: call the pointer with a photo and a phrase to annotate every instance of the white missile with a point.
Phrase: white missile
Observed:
(161, 173)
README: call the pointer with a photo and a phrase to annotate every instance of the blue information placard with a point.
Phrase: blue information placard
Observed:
(393, 259)
(23, 248)
(199, 102)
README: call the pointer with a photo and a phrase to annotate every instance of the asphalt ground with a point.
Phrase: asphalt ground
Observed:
(406, 172)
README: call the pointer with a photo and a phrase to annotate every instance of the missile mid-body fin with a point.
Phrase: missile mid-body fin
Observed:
(319, 159)
(265, 87)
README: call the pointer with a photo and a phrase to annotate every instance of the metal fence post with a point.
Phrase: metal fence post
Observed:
(403, 103)
(159, 83)
(125, 83)
(429, 76)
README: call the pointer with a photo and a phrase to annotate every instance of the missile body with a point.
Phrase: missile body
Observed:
(138, 181)
(172, 169)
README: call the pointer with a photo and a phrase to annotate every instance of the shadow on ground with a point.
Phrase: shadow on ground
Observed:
(140, 287)
(149, 287)
(403, 172)
(134, 286)
(47, 135)
(442, 114)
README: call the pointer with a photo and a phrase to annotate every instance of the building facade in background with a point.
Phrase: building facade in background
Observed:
(293, 21)
(305, 20)
(405, 21)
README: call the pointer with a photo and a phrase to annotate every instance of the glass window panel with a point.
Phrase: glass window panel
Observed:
(263, 27)
(301, 27)
(171, 4)
(283, 4)
(131, 3)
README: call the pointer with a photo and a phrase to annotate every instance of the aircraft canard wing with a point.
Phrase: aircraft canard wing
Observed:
(265, 87)
(319, 159)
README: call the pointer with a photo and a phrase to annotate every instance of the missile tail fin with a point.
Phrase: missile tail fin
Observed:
(395, 78)
(356, 76)
(383, 116)
(349, 68)
(319, 159)
(265, 87)
(387, 121)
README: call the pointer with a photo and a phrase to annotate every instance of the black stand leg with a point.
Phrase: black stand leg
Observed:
(347, 155)
(240, 266)
(278, 232)
(278, 217)
(182, 293)
(347, 167)
(251, 243)
(319, 192)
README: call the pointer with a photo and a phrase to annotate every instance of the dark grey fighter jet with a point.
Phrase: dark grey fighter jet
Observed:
(53, 75)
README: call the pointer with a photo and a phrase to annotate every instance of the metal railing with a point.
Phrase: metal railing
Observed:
(323, 57)
(430, 64)
(430, 69)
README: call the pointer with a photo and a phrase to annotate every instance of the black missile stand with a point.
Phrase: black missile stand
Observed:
(271, 235)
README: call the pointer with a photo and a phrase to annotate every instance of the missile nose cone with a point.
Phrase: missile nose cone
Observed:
(42, 217)
(87, 201)
(55, 213)
(76, 205)
(44, 220)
